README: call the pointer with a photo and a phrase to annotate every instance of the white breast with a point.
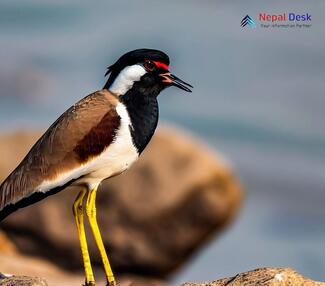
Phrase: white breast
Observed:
(115, 159)
(120, 155)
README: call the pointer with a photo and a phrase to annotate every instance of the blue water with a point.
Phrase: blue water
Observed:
(258, 99)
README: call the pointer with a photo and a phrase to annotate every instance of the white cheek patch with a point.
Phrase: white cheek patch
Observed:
(126, 79)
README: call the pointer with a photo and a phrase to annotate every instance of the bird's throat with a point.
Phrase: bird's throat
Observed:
(143, 111)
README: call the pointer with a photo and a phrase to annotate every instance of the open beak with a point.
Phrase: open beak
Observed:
(171, 79)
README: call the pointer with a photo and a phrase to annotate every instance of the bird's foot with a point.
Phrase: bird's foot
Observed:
(111, 283)
(90, 283)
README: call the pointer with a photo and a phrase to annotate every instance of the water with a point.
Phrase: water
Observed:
(258, 99)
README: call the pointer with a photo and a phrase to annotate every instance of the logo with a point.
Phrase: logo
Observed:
(285, 17)
(278, 20)
(248, 21)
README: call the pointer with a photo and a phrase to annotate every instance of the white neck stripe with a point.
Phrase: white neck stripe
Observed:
(126, 78)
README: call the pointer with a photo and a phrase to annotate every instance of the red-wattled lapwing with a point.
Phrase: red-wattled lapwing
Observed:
(97, 138)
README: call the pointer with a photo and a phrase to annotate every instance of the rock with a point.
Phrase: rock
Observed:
(22, 281)
(153, 217)
(139, 281)
(23, 266)
(36, 281)
(263, 277)
(6, 246)
(14, 147)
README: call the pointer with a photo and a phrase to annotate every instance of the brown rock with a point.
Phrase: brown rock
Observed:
(6, 245)
(14, 147)
(263, 277)
(153, 217)
(22, 281)
(23, 266)
(139, 281)
(20, 268)
(36, 281)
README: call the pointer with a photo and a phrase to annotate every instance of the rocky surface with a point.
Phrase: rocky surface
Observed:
(263, 277)
(260, 277)
(153, 217)
(22, 281)
(36, 281)
(27, 271)
(25, 267)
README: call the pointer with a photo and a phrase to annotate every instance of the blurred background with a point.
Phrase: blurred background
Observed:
(258, 100)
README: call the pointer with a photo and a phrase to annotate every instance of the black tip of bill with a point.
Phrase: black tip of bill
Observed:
(171, 79)
(180, 83)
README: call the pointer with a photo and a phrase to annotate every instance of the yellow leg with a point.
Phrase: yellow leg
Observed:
(91, 213)
(79, 217)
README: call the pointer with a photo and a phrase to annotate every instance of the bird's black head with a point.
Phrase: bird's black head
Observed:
(145, 70)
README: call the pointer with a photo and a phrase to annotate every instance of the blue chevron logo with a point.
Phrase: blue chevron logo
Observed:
(248, 21)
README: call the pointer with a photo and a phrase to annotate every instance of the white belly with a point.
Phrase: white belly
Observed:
(115, 159)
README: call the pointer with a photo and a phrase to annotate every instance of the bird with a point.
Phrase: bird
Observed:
(97, 138)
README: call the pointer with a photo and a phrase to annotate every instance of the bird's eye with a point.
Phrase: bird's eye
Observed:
(149, 65)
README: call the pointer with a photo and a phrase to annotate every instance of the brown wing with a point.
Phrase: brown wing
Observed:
(80, 133)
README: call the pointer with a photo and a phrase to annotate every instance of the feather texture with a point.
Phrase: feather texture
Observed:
(77, 136)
